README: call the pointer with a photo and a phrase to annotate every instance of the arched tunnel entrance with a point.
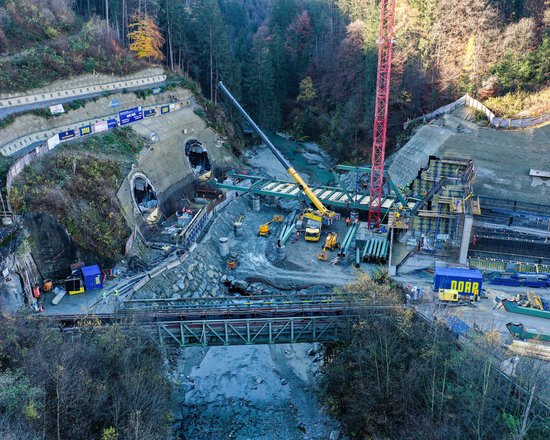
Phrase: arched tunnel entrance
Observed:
(199, 159)
(145, 197)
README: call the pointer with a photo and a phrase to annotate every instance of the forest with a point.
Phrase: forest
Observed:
(309, 66)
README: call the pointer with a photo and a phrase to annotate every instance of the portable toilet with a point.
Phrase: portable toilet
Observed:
(93, 278)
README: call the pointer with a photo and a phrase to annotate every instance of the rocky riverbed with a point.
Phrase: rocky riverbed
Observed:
(252, 392)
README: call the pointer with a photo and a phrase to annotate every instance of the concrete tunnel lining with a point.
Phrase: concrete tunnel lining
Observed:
(198, 157)
(144, 195)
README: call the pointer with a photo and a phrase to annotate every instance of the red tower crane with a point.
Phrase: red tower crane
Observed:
(387, 16)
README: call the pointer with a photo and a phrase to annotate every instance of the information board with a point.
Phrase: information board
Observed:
(164, 109)
(149, 113)
(100, 126)
(130, 115)
(112, 123)
(85, 130)
(65, 135)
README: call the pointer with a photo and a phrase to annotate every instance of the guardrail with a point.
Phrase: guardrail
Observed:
(46, 146)
(494, 120)
(75, 92)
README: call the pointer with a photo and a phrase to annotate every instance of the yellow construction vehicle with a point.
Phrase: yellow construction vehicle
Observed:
(321, 210)
(264, 231)
(331, 243)
(314, 226)
(453, 296)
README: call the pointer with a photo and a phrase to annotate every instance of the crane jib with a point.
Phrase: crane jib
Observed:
(257, 129)
(288, 167)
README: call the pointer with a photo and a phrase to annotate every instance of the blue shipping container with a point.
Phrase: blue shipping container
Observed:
(463, 280)
(93, 278)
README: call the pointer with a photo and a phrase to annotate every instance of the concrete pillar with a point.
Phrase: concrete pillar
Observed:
(466, 235)
(256, 203)
(224, 246)
(238, 229)
(281, 252)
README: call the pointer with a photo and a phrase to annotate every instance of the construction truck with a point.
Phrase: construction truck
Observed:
(313, 226)
(321, 211)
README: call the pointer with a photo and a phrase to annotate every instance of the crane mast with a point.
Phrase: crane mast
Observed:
(387, 17)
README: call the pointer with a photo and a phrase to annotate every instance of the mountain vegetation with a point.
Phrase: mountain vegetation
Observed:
(495, 50)
(103, 384)
(78, 185)
(397, 377)
(263, 50)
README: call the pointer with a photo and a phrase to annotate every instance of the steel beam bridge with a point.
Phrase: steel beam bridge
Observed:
(288, 330)
(331, 196)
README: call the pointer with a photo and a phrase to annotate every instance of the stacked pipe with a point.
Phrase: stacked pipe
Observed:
(348, 239)
(286, 229)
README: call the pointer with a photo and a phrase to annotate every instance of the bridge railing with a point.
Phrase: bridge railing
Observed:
(251, 331)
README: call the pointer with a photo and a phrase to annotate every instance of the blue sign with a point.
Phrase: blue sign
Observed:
(164, 109)
(87, 129)
(64, 135)
(112, 123)
(114, 103)
(130, 115)
(149, 113)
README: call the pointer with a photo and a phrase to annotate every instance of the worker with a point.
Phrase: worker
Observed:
(348, 221)
(115, 293)
(104, 297)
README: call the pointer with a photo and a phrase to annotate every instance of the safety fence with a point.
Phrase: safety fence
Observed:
(494, 120)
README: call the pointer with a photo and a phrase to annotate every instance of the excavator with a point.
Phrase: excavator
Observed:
(264, 231)
(331, 243)
(315, 217)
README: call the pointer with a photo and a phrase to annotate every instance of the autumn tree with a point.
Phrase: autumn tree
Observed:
(146, 38)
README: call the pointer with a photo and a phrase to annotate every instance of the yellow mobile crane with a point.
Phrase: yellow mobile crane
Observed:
(321, 212)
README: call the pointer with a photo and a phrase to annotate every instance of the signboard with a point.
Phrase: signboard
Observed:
(149, 113)
(164, 109)
(157, 91)
(114, 103)
(130, 115)
(87, 129)
(65, 135)
(57, 109)
(101, 126)
(53, 142)
(112, 123)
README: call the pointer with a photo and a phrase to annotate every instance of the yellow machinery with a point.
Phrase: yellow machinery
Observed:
(264, 230)
(321, 210)
(331, 243)
(448, 295)
(452, 295)
(314, 226)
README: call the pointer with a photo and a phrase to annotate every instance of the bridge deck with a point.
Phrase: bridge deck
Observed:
(330, 196)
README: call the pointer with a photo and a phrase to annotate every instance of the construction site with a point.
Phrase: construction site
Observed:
(257, 245)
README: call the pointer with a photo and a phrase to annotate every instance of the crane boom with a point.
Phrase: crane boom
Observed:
(387, 16)
(323, 211)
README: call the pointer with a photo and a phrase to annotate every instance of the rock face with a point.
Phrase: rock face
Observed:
(52, 247)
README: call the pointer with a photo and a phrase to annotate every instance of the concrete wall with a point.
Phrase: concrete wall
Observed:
(29, 129)
(165, 164)
(80, 85)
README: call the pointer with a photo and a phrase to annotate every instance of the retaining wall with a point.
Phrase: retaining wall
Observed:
(494, 120)
(83, 86)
